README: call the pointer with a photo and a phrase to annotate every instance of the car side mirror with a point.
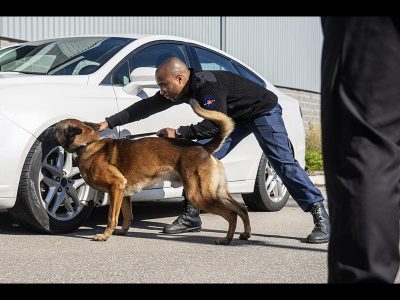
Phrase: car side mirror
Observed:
(143, 77)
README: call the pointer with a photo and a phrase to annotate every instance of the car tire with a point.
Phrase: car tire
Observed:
(267, 197)
(31, 210)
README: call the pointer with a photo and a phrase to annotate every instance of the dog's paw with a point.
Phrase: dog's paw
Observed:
(244, 235)
(120, 231)
(223, 241)
(100, 237)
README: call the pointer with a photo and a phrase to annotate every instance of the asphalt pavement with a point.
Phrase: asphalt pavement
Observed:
(275, 253)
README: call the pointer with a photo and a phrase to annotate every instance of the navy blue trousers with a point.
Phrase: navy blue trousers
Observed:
(271, 134)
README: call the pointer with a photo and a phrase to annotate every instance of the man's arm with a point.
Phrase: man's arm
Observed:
(202, 130)
(140, 110)
(212, 97)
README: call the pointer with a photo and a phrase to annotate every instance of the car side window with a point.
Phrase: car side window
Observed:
(150, 56)
(121, 75)
(211, 61)
(153, 55)
(249, 75)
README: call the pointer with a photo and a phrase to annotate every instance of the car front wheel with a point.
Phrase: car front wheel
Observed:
(52, 197)
(270, 194)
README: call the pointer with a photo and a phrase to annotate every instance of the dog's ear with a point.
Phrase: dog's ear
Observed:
(71, 131)
(94, 126)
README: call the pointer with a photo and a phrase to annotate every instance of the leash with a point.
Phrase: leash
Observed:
(133, 136)
(129, 136)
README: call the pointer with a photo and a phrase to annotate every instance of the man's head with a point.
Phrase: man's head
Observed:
(172, 76)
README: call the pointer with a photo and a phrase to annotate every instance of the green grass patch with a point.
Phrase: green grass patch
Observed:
(314, 161)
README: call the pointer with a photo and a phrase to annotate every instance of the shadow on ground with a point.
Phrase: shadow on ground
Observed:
(143, 215)
(141, 211)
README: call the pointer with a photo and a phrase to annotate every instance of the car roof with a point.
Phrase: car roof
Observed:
(135, 36)
(148, 38)
(139, 37)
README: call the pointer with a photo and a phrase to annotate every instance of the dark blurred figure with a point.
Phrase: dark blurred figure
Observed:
(360, 104)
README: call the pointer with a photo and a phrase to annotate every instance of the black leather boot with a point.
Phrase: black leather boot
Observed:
(322, 228)
(189, 220)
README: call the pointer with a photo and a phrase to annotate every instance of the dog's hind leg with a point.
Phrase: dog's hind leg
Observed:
(127, 216)
(231, 217)
(228, 201)
(209, 204)
(241, 210)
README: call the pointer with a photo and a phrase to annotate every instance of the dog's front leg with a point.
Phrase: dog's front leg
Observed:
(116, 196)
(127, 216)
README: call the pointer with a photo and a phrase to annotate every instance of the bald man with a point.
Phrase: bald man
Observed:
(254, 109)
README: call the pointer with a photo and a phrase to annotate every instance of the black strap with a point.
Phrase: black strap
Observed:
(133, 136)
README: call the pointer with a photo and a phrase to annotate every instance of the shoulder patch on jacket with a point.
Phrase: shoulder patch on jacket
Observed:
(209, 102)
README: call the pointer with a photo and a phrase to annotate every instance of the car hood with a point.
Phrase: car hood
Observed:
(38, 96)
(12, 75)
(15, 78)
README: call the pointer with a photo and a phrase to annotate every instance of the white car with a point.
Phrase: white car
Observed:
(43, 82)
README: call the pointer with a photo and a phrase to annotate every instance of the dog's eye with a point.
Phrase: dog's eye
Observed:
(72, 131)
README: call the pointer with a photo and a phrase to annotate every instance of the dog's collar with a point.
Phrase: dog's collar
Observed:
(80, 150)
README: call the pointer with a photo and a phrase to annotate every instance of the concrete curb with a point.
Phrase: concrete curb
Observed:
(318, 180)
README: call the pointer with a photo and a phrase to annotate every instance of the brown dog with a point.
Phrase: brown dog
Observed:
(124, 167)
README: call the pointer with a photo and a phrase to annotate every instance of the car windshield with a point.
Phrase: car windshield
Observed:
(67, 56)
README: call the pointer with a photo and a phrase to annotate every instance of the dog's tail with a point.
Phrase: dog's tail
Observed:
(224, 123)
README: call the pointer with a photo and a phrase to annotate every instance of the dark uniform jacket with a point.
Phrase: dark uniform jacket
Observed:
(238, 97)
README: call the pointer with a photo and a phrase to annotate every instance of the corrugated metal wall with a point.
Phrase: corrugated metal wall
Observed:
(286, 50)
(204, 29)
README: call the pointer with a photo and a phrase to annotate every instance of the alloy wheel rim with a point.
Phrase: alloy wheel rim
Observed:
(275, 188)
(63, 192)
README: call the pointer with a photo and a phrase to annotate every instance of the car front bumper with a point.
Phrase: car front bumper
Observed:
(15, 143)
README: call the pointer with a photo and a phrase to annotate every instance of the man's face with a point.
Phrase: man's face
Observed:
(171, 86)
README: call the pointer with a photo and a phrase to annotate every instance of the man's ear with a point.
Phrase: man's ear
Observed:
(179, 77)
(94, 126)
(71, 131)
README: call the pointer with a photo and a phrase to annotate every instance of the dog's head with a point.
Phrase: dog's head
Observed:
(72, 134)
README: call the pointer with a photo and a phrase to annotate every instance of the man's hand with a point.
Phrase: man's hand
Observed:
(103, 126)
(167, 132)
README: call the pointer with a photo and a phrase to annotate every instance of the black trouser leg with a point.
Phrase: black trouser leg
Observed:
(360, 106)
